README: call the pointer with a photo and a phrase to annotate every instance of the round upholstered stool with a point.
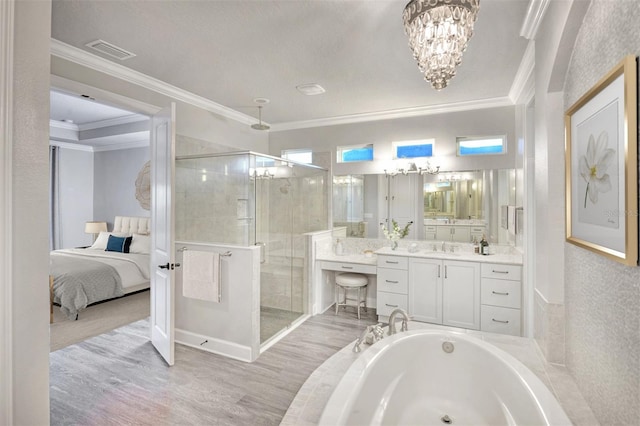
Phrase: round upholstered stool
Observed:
(354, 283)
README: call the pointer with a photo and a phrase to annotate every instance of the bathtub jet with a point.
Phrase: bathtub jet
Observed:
(439, 377)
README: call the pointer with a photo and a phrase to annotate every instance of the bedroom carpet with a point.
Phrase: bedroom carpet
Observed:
(97, 319)
(118, 378)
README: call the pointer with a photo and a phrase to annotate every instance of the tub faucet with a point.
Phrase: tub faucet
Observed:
(376, 333)
(392, 321)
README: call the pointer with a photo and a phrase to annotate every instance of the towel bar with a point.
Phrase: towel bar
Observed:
(225, 254)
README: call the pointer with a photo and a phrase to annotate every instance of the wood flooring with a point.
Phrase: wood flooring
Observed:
(118, 378)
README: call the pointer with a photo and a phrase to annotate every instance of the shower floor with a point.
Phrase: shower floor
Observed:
(273, 320)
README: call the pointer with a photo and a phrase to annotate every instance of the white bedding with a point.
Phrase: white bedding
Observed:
(133, 268)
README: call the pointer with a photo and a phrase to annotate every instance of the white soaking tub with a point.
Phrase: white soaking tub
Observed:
(433, 377)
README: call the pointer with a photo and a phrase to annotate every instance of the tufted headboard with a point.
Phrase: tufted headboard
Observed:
(132, 225)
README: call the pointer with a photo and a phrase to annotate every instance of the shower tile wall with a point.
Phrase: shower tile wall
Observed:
(210, 192)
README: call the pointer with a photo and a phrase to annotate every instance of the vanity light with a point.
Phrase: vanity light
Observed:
(412, 168)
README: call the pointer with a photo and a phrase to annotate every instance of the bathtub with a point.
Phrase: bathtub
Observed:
(439, 377)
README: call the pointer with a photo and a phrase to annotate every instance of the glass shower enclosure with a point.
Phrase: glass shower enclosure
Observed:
(247, 198)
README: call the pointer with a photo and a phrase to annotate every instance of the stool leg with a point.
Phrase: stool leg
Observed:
(337, 297)
(358, 302)
(365, 298)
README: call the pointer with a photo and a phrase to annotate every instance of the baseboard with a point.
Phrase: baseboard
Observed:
(213, 345)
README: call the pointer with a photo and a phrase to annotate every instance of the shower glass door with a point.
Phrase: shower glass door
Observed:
(274, 200)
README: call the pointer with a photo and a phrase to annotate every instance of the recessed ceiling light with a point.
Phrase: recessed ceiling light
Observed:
(310, 89)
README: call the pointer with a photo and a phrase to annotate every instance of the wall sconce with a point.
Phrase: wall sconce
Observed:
(95, 228)
(413, 168)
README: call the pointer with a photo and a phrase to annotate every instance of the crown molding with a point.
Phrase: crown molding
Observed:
(394, 114)
(134, 118)
(57, 124)
(86, 59)
(533, 18)
(524, 74)
(143, 143)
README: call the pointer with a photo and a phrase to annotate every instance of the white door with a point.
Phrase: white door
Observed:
(162, 253)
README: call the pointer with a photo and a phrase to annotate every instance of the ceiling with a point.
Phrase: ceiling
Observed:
(231, 52)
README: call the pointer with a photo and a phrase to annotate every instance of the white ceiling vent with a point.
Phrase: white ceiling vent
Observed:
(110, 49)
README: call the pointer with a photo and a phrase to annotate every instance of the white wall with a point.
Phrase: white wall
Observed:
(602, 296)
(114, 189)
(75, 196)
(24, 360)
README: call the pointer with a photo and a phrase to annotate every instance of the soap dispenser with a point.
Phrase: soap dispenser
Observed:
(339, 248)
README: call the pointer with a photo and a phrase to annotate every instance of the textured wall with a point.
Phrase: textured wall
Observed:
(603, 297)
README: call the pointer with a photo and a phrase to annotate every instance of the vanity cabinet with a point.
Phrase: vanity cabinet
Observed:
(501, 298)
(393, 284)
(465, 294)
(445, 292)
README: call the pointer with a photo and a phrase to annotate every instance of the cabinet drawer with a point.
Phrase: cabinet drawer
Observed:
(393, 280)
(387, 302)
(503, 272)
(395, 262)
(503, 293)
(349, 267)
(500, 320)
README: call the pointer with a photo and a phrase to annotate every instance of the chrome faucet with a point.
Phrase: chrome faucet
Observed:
(392, 321)
(376, 333)
(444, 246)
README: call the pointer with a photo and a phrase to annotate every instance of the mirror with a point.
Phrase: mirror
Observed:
(455, 206)
(453, 196)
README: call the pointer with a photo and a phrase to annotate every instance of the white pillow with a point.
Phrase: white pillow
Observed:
(103, 238)
(140, 244)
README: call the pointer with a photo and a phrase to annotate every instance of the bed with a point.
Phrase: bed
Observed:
(116, 264)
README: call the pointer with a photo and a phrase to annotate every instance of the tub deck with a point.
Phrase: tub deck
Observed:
(309, 403)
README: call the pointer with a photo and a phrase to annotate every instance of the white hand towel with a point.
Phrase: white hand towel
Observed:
(201, 275)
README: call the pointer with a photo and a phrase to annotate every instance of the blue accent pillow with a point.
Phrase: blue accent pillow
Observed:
(119, 244)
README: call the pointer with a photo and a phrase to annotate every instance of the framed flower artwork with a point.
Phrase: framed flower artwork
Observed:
(602, 165)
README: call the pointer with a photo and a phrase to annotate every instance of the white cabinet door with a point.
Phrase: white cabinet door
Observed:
(461, 294)
(425, 290)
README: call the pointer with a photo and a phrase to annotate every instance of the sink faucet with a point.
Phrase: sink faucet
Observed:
(376, 332)
(444, 246)
(392, 321)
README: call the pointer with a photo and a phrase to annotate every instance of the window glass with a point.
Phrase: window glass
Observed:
(298, 155)
(413, 149)
(352, 153)
(481, 145)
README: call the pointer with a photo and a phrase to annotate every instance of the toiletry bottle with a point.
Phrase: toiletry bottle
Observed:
(339, 248)
(484, 246)
(476, 246)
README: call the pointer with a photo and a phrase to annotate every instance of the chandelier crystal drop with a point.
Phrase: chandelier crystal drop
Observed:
(439, 31)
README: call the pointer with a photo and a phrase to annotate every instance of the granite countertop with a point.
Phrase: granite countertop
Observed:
(510, 259)
(349, 258)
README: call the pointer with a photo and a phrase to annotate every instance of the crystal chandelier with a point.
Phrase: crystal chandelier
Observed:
(439, 31)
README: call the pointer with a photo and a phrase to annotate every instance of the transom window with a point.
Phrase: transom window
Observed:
(481, 145)
(298, 155)
(353, 153)
(413, 149)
